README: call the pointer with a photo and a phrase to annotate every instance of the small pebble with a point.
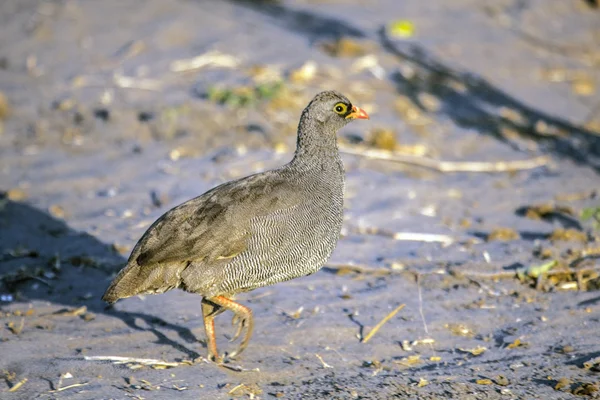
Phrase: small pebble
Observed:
(16, 194)
(102, 113)
(110, 192)
(145, 116)
(57, 211)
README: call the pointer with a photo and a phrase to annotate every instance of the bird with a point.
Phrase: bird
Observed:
(251, 232)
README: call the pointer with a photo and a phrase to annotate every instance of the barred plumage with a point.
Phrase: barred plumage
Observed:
(252, 232)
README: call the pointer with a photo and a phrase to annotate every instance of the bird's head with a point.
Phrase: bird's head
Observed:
(334, 110)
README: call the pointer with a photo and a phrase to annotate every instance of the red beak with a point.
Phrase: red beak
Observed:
(357, 113)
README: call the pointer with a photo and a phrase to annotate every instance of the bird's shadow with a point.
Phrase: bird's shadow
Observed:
(42, 258)
(151, 321)
(469, 100)
(314, 26)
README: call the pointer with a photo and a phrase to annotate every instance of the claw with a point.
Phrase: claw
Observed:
(215, 358)
(247, 323)
(241, 323)
(242, 318)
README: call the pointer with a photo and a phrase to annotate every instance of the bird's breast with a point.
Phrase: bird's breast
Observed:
(291, 242)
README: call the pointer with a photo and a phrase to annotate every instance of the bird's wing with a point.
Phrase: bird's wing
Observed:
(215, 225)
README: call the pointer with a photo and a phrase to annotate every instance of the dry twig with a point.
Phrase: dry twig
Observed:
(514, 274)
(360, 269)
(212, 58)
(17, 385)
(72, 312)
(69, 387)
(382, 322)
(445, 240)
(128, 82)
(119, 81)
(424, 237)
(325, 365)
(447, 166)
(125, 360)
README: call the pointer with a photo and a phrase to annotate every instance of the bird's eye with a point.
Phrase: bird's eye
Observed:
(340, 108)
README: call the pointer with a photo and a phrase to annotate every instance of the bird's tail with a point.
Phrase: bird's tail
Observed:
(124, 285)
(136, 279)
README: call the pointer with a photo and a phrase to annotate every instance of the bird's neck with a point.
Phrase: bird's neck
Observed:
(316, 144)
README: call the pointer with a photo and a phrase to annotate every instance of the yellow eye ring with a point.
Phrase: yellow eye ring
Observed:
(340, 108)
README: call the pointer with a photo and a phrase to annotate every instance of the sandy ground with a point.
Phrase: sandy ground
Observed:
(102, 135)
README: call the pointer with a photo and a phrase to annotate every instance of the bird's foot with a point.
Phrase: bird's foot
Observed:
(243, 322)
(217, 359)
(236, 320)
(200, 359)
(242, 318)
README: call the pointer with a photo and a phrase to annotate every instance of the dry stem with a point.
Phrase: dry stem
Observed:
(382, 322)
(513, 274)
(69, 387)
(124, 360)
(212, 58)
(447, 166)
(361, 269)
(18, 385)
(325, 365)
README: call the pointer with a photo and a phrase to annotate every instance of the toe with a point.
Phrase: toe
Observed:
(241, 323)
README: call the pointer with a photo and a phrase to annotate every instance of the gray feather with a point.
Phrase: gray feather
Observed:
(252, 232)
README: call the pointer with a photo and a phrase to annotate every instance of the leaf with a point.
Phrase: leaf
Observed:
(533, 271)
(476, 351)
(590, 212)
(401, 28)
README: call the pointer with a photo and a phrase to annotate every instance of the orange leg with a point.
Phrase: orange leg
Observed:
(209, 311)
(243, 316)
